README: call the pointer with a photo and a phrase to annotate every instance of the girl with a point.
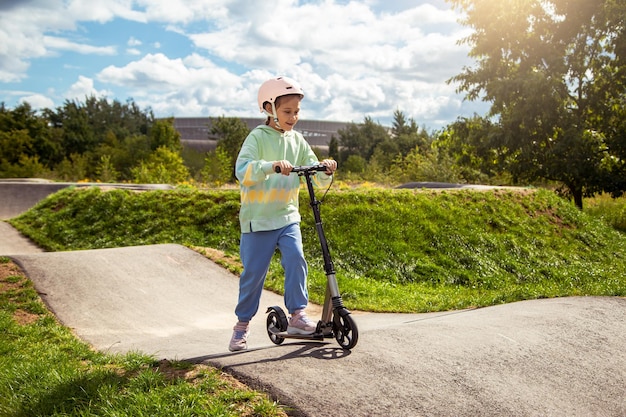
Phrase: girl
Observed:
(269, 216)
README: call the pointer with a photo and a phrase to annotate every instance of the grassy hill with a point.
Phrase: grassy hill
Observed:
(394, 250)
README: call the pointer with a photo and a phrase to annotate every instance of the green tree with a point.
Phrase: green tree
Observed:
(333, 148)
(124, 154)
(24, 133)
(231, 131)
(13, 145)
(164, 166)
(97, 126)
(25, 167)
(553, 72)
(218, 167)
(361, 139)
(73, 168)
(472, 143)
(354, 164)
(162, 133)
(194, 160)
(105, 171)
(384, 154)
(616, 141)
(420, 167)
(406, 133)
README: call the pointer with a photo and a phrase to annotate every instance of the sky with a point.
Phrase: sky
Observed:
(207, 58)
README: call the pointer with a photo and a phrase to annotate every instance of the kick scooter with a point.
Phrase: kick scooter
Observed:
(336, 320)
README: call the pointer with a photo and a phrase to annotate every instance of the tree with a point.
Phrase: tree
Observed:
(407, 134)
(354, 164)
(473, 144)
(99, 126)
(384, 153)
(218, 167)
(73, 168)
(420, 167)
(30, 136)
(105, 171)
(13, 145)
(162, 133)
(231, 131)
(164, 166)
(333, 148)
(361, 139)
(553, 71)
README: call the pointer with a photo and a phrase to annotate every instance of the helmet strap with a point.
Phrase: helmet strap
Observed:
(274, 116)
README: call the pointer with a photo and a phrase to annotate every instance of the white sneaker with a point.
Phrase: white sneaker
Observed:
(299, 323)
(239, 340)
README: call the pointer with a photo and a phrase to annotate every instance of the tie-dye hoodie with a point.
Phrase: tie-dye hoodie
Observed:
(269, 201)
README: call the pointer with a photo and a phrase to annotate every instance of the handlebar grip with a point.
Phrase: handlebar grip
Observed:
(304, 168)
(310, 168)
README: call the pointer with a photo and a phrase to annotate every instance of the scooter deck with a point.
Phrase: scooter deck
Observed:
(313, 336)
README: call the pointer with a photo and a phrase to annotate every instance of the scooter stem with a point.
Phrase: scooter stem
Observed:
(333, 299)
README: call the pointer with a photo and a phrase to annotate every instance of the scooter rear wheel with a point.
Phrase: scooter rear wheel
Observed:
(346, 332)
(276, 322)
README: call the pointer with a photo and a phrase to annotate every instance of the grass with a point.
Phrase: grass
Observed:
(46, 371)
(611, 210)
(394, 250)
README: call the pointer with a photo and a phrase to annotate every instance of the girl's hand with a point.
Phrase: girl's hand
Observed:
(284, 165)
(331, 164)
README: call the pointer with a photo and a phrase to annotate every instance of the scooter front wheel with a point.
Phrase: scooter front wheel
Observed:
(346, 332)
(276, 323)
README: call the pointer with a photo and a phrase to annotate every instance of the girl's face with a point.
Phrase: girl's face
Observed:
(287, 110)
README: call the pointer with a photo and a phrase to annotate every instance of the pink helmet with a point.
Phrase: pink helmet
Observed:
(273, 88)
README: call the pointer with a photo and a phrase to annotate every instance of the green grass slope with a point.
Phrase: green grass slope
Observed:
(46, 371)
(394, 250)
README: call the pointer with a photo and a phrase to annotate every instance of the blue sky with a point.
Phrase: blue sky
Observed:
(200, 58)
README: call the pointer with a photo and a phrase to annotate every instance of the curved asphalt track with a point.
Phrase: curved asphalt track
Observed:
(551, 357)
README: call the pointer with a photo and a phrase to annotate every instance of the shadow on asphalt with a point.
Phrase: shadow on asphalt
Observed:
(315, 350)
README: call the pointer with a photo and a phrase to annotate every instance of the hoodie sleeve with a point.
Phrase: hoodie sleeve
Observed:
(248, 169)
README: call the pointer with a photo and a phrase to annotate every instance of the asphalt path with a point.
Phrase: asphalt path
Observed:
(549, 357)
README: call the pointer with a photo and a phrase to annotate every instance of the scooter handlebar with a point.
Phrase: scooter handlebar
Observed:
(305, 168)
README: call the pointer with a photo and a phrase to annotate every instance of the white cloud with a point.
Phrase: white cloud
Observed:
(12, 68)
(37, 101)
(181, 86)
(184, 11)
(159, 72)
(56, 43)
(84, 87)
(353, 58)
(21, 40)
(356, 62)
(23, 29)
(104, 11)
(132, 41)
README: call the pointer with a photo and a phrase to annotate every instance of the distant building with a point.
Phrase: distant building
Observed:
(195, 131)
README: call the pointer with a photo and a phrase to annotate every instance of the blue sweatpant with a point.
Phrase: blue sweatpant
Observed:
(256, 251)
